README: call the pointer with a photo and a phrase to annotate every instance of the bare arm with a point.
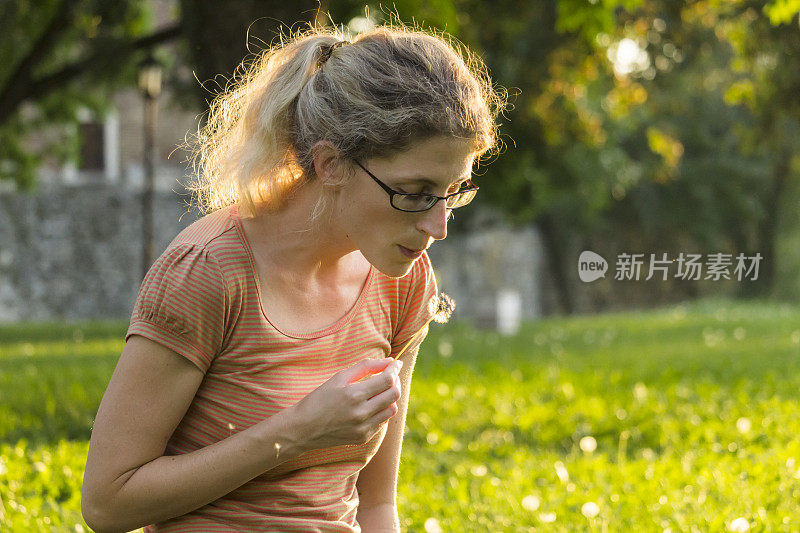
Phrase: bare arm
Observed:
(377, 481)
(128, 482)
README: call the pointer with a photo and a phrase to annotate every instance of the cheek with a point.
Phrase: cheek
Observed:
(370, 211)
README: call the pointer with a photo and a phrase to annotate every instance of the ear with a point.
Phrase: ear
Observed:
(327, 162)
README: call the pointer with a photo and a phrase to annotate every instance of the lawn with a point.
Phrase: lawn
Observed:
(680, 419)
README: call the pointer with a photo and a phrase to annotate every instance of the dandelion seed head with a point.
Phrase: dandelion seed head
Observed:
(547, 518)
(432, 526)
(588, 444)
(590, 509)
(740, 525)
(561, 471)
(478, 470)
(530, 502)
(441, 307)
(640, 392)
(743, 425)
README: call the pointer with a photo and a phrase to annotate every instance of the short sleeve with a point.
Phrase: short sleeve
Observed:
(182, 304)
(417, 310)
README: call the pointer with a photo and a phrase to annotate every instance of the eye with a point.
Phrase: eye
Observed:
(458, 186)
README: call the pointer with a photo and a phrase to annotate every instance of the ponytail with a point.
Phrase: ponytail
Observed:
(389, 87)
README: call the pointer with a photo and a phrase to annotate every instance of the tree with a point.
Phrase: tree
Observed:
(46, 48)
(766, 62)
(215, 45)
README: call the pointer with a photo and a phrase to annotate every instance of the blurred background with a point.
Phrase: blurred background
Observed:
(650, 131)
(638, 127)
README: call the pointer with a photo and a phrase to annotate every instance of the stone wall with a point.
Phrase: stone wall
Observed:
(72, 253)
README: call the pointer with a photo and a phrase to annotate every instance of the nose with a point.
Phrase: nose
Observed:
(434, 221)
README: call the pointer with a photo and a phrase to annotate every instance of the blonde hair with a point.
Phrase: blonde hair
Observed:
(372, 97)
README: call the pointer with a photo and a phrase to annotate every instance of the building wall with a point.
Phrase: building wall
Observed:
(74, 252)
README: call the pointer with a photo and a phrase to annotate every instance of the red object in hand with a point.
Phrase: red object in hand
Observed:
(367, 372)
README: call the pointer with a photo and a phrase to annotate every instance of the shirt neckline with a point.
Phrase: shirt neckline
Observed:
(336, 326)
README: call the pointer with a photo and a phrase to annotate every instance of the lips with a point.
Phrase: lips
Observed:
(408, 252)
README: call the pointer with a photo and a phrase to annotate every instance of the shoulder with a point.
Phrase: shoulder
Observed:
(420, 286)
(421, 277)
(207, 229)
(185, 269)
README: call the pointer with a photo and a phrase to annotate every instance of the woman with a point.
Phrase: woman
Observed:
(238, 403)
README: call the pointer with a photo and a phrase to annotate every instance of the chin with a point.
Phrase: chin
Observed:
(394, 269)
(393, 264)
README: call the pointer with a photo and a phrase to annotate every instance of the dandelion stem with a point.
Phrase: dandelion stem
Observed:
(441, 306)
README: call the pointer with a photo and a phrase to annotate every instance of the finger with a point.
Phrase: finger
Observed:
(378, 382)
(383, 400)
(365, 367)
(383, 416)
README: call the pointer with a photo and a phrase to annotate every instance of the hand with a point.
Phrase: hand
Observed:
(344, 410)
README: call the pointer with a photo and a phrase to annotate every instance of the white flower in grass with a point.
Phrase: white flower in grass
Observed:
(590, 510)
(561, 471)
(640, 392)
(530, 502)
(740, 525)
(743, 425)
(547, 518)
(478, 470)
(432, 526)
(588, 444)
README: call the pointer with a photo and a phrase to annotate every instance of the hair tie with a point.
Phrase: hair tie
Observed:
(327, 49)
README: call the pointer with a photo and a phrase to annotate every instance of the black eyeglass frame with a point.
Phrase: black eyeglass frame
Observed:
(392, 193)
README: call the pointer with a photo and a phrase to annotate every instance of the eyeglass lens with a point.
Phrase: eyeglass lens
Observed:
(423, 202)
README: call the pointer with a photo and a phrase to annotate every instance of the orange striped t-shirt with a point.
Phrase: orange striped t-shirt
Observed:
(201, 298)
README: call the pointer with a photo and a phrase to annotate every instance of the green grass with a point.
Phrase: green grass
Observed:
(692, 408)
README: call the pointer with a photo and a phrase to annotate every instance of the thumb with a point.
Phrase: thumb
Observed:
(366, 367)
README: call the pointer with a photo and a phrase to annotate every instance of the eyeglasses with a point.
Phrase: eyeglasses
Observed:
(416, 202)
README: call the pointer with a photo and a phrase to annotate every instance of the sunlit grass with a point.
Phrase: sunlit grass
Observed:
(679, 419)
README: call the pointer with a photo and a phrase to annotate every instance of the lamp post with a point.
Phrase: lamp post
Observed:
(150, 87)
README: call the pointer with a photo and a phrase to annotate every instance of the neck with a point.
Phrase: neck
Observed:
(299, 251)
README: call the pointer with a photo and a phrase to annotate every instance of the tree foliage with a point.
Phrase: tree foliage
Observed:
(662, 123)
(48, 46)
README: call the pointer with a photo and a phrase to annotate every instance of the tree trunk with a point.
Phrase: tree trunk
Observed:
(764, 285)
(556, 250)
